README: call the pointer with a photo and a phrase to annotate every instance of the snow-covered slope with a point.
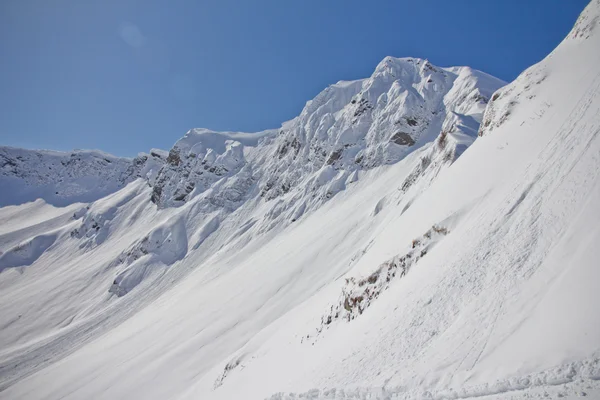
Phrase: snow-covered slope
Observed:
(345, 255)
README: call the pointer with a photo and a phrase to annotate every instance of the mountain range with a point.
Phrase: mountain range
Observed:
(423, 233)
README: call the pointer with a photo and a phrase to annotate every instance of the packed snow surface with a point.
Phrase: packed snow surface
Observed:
(422, 233)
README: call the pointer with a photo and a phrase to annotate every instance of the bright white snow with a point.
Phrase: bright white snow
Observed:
(349, 254)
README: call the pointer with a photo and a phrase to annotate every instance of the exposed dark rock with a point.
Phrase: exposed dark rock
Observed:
(285, 147)
(174, 158)
(442, 140)
(156, 192)
(363, 106)
(411, 121)
(334, 156)
(402, 139)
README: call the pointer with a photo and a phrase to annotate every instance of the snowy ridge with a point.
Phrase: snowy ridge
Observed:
(202, 278)
(63, 178)
(349, 127)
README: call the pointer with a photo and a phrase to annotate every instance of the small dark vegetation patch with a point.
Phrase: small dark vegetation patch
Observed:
(442, 140)
(359, 293)
(415, 174)
(231, 365)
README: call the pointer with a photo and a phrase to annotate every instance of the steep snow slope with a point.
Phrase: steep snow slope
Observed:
(477, 282)
(503, 302)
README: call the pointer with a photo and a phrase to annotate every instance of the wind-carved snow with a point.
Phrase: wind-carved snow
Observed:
(27, 252)
(165, 245)
(95, 225)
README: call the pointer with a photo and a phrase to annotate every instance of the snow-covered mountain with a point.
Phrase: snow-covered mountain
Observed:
(64, 178)
(349, 127)
(349, 254)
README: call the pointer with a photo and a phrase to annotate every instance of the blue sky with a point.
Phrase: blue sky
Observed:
(125, 76)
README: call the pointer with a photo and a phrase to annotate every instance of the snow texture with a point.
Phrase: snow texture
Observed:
(424, 233)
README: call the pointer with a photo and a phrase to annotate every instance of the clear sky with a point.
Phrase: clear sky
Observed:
(127, 75)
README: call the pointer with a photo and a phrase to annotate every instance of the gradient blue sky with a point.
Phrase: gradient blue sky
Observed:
(127, 75)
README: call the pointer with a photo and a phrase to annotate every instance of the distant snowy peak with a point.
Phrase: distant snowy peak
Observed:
(62, 178)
